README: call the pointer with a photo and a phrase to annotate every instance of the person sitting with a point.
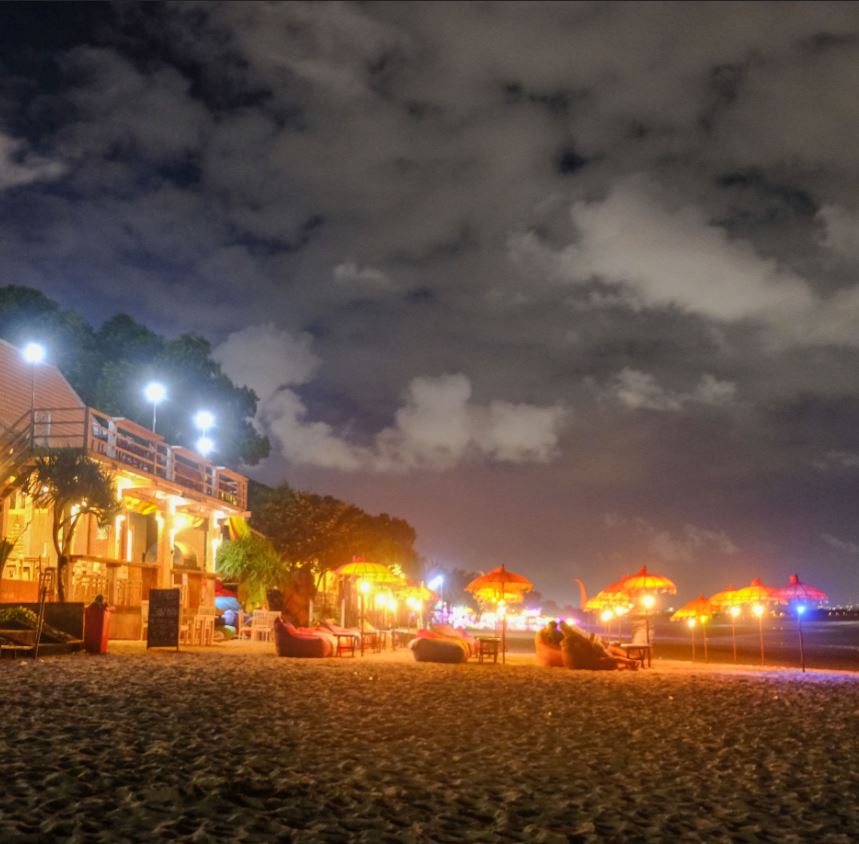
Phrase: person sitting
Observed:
(554, 635)
(582, 650)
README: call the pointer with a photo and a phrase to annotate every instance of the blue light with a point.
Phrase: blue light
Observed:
(800, 609)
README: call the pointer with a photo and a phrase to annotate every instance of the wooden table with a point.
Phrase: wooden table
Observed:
(488, 646)
(350, 639)
(638, 652)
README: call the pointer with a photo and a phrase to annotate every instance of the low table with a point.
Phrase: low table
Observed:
(349, 639)
(640, 653)
(488, 646)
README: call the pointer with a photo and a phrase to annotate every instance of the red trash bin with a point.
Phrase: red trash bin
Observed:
(96, 625)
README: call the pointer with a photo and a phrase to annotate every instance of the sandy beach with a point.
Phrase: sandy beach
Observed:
(233, 744)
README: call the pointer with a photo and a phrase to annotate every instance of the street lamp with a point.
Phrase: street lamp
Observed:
(205, 446)
(204, 420)
(155, 393)
(33, 353)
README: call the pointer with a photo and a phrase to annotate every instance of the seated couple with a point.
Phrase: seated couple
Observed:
(566, 645)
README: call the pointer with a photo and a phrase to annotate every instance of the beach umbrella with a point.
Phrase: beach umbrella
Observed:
(758, 595)
(699, 610)
(644, 585)
(726, 601)
(799, 595)
(500, 587)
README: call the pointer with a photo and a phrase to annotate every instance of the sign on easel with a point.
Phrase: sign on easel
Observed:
(164, 614)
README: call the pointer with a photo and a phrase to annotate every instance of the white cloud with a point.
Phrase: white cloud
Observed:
(362, 278)
(437, 427)
(838, 461)
(638, 390)
(840, 231)
(266, 358)
(19, 166)
(673, 547)
(676, 257)
(842, 545)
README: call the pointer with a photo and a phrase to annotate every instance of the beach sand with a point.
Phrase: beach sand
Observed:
(233, 744)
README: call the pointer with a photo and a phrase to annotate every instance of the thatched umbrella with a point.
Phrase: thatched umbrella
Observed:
(698, 610)
(500, 587)
(800, 595)
(758, 595)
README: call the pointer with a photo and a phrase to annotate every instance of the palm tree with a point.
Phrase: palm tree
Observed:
(71, 485)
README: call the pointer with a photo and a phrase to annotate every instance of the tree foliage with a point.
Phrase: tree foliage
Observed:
(70, 485)
(323, 532)
(252, 562)
(109, 367)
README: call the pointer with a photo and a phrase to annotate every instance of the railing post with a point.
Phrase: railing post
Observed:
(169, 464)
(111, 437)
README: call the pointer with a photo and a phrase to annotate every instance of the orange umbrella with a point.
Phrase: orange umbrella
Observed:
(800, 594)
(606, 600)
(727, 600)
(698, 610)
(500, 585)
(757, 594)
(645, 581)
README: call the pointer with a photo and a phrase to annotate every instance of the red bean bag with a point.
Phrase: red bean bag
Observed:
(547, 653)
(435, 648)
(288, 641)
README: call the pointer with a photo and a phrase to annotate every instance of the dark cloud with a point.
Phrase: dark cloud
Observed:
(504, 268)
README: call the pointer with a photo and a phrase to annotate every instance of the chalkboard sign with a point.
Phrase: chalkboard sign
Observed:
(163, 630)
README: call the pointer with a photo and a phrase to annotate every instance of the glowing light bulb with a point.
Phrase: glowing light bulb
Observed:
(205, 446)
(33, 353)
(758, 610)
(691, 622)
(365, 586)
(735, 611)
(155, 392)
(204, 420)
(648, 601)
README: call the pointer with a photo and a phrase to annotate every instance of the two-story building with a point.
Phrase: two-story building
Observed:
(175, 504)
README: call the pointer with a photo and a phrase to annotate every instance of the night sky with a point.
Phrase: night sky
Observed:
(571, 287)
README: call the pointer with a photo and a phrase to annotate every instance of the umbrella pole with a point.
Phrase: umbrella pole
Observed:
(734, 636)
(504, 640)
(761, 632)
(801, 643)
(704, 632)
(693, 643)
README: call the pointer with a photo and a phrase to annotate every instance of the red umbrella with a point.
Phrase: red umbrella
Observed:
(799, 594)
(796, 590)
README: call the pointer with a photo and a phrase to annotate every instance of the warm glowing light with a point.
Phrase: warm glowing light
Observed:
(648, 601)
(365, 586)
(155, 392)
(758, 610)
(413, 604)
(571, 621)
(704, 619)
(735, 611)
(691, 622)
(621, 610)
(381, 600)
(204, 420)
(606, 615)
(205, 446)
(33, 353)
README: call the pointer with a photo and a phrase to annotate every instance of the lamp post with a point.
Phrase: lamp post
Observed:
(364, 587)
(691, 624)
(703, 619)
(734, 611)
(800, 610)
(204, 420)
(647, 602)
(155, 393)
(34, 354)
(758, 610)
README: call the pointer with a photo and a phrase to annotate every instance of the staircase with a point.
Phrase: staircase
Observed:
(16, 449)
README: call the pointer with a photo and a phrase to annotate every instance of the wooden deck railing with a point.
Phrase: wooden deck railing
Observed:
(132, 445)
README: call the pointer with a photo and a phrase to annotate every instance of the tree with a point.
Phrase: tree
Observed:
(251, 561)
(323, 532)
(71, 486)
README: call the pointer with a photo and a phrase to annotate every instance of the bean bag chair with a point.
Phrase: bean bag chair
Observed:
(547, 653)
(323, 633)
(579, 652)
(450, 632)
(434, 648)
(288, 641)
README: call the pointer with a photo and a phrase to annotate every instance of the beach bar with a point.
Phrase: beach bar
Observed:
(174, 504)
